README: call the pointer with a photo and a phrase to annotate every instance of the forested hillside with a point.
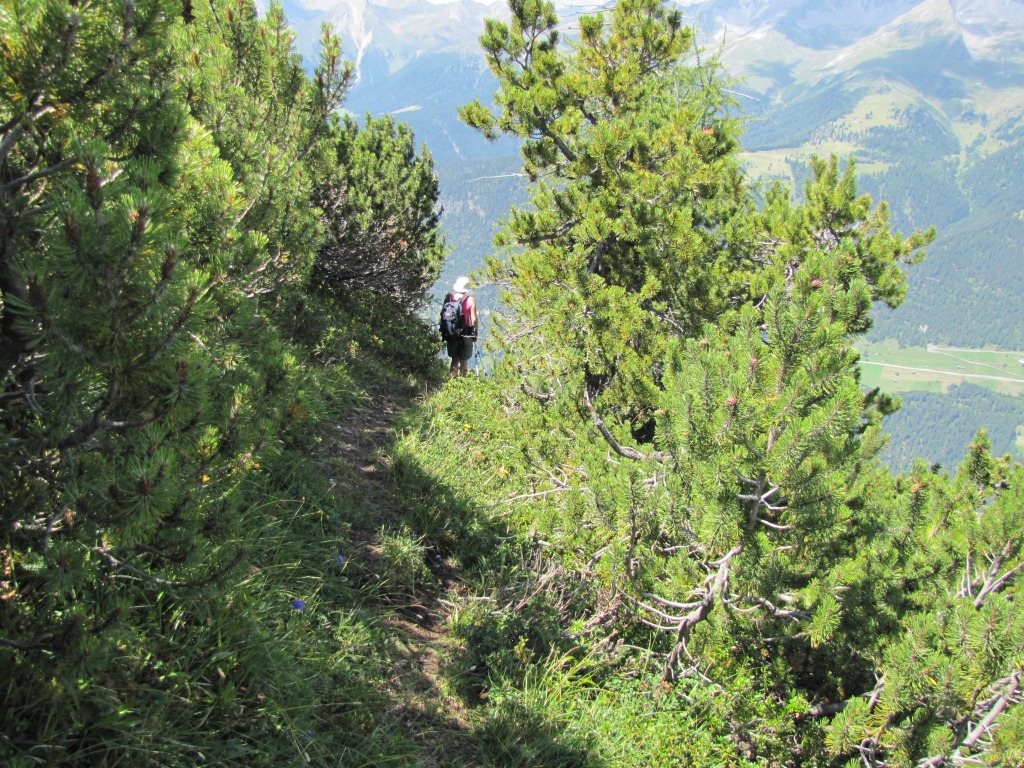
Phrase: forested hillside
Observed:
(939, 426)
(244, 525)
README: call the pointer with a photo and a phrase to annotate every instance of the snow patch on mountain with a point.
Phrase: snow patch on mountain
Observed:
(403, 30)
(988, 25)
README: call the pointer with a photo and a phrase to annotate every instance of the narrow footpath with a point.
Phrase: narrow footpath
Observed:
(421, 644)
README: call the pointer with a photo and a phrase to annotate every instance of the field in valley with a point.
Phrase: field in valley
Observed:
(935, 368)
(902, 370)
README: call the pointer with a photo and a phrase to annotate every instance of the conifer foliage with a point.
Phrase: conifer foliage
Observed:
(157, 231)
(633, 170)
(380, 214)
(681, 359)
(101, 297)
(111, 468)
(949, 682)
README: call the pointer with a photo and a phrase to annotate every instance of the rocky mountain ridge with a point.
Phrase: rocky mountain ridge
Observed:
(399, 31)
(403, 30)
(985, 25)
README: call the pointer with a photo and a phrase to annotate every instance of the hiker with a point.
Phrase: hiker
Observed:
(459, 326)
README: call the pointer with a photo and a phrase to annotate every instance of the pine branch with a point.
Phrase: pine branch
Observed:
(1010, 687)
(171, 334)
(12, 136)
(624, 451)
(41, 644)
(540, 397)
(98, 423)
(537, 495)
(85, 431)
(819, 711)
(673, 620)
(558, 141)
(994, 582)
(774, 526)
(107, 555)
(701, 612)
(562, 231)
(773, 610)
(43, 173)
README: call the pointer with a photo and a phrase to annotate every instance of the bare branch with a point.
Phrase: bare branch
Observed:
(41, 644)
(624, 451)
(105, 554)
(527, 496)
(40, 174)
(1005, 698)
(774, 526)
(993, 585)
(540, 397)
(701, 612)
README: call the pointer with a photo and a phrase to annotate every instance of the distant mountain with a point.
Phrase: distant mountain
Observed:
(401, 30)
(414, 59)
(816, 24)
(930, 99)
(928, 95)
(831, 24)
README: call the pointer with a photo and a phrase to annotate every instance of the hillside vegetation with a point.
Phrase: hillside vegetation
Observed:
(181, 333)
(243, 525)
(936, 130)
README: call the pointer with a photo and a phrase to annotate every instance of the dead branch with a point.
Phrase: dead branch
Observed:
(621, 450)
(701, 612)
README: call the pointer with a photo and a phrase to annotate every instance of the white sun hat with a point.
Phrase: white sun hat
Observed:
(461, 285)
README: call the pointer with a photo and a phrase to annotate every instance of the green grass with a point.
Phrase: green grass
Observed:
(879, 110)
(768, 166)
(936, 368)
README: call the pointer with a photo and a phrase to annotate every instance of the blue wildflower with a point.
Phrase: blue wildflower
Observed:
(341, 559)
(299, 605)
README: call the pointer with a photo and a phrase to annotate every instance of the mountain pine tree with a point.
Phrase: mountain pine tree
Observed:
(156, 175)
(633, 171)
(243, 81)
(380, 215)
(109, 473)
(683, 361)
(948, 688)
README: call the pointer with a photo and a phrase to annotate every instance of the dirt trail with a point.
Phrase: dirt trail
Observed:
(420, 640)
